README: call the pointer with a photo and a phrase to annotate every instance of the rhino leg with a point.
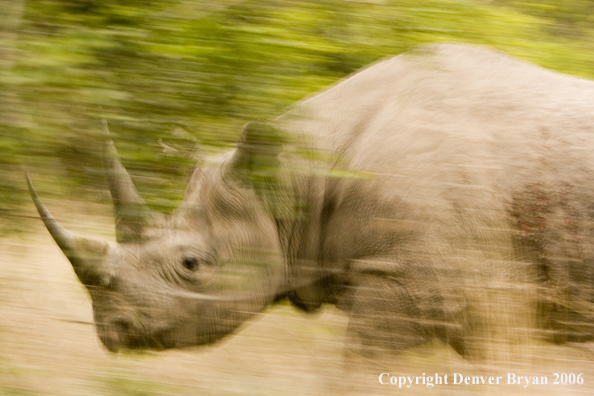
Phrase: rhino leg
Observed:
(384, 318)
(392, 311)
(554, 224)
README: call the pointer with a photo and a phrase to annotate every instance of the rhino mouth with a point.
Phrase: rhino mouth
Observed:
(120, 336)
(124, 342)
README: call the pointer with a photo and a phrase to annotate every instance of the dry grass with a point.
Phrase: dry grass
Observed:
(48, 347)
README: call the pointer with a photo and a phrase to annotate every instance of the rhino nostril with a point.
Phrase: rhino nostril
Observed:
(120, 323)
(122, 327)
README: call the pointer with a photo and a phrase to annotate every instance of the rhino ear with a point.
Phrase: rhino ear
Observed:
(256, 156)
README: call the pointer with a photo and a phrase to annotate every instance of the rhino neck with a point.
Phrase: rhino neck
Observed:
(301, 235)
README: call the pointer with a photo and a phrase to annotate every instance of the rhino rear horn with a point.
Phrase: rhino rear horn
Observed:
(132, 214)
(84, 254)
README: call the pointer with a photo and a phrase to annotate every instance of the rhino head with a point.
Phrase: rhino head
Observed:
(189, 278)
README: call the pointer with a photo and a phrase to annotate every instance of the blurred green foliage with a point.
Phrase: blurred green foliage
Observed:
(171, 74)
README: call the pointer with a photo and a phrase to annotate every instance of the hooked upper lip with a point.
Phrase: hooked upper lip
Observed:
(120, 335)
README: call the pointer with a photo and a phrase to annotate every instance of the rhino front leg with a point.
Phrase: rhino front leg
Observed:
(384, 318)
(394, 307)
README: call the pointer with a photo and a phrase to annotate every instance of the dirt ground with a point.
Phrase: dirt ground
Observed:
(48, 346)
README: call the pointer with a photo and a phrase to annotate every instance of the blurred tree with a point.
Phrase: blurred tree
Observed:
(169, 74)
(569, 18)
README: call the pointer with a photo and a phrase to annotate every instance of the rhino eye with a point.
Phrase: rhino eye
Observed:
(190, 263)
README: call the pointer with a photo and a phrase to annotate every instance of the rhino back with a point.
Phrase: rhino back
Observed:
(447, 153)
(454, 106)
(455, 126)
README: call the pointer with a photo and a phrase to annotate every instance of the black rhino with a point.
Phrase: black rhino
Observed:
(402, 195)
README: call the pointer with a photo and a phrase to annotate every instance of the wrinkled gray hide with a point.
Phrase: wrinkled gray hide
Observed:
(407, 195)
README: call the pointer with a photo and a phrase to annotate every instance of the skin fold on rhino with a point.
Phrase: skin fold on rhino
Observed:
(407, 195)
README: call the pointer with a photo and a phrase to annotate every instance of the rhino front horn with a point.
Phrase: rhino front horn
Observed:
(132, 215)
(84, 254)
